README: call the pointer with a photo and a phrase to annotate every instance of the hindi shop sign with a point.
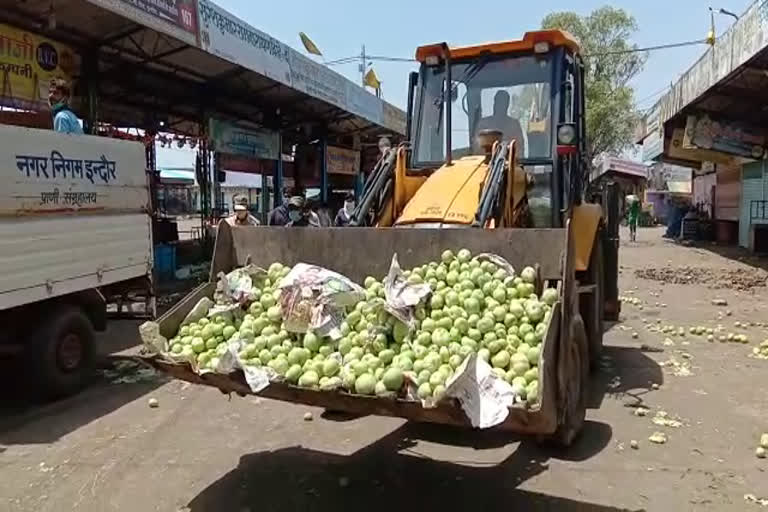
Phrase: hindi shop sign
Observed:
(176, 18)
(226, 36)
(230, 138)
(342, 161)
(44, 171)
(27, 64)
(311, 78)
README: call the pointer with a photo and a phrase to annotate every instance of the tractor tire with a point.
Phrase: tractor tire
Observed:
(593, 311)
(61, 353)
(573, 385)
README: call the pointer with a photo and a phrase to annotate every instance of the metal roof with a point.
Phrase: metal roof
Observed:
(152, 69)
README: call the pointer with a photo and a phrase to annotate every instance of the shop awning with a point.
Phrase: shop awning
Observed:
(177, 174)
(154, 67)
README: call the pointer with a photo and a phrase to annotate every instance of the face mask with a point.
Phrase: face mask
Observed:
(349, 205)
(294, 215)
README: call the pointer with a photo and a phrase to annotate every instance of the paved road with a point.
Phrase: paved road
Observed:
(106, 450)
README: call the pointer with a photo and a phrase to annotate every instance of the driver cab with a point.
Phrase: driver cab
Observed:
(515, 88)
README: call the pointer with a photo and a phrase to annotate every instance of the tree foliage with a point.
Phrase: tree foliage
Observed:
(605, 35)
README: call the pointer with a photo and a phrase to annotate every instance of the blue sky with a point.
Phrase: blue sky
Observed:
(396, 27)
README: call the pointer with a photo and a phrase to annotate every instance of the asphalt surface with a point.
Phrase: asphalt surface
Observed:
(107, 450)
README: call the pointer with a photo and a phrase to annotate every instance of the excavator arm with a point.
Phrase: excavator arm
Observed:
(377, 192)
(386, 192)
(503, 198)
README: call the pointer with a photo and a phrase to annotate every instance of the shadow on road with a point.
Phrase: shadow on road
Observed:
(25, 421)
(735, 253)
(625, 373)
(392, 475)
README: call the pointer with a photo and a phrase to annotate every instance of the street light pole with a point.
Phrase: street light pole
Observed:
(728, 13)
(362, 66)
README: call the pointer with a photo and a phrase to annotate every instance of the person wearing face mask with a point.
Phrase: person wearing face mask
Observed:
(298, 213)
(242, 217)
(64, 120)
(345, 213)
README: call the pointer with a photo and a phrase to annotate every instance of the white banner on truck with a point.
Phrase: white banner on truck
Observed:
(42, 171)
(229, 37)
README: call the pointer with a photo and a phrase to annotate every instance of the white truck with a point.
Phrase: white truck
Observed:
(74, 227)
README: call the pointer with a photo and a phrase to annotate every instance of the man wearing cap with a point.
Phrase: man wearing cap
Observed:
(298, 213)
(241, 217)
(64, 120)
(344, 214)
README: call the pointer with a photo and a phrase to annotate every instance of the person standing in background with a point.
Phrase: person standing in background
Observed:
(344, 215)
(64, 120)
(633, 216)
(324, 216)
(299, 213)
(384, 145)
(242, 216)
(279, 215)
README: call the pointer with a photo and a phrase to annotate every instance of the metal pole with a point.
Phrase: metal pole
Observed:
(91, 72)
(448, 94)
(279, 170)
(324, 172)
(264, 199)
(359, 183)
(362, 67)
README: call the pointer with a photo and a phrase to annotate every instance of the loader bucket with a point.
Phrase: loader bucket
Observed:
(360, 252)
(357, 253)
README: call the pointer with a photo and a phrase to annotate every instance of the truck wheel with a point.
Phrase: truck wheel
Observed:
(61, 353)
(594, 314)
(573, 384)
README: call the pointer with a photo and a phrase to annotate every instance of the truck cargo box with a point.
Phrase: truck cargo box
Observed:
(73, 214)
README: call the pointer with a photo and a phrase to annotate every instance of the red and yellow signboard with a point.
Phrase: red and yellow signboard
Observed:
(27, 64)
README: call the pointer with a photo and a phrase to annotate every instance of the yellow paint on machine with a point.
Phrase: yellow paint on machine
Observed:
(584, 222)
(450, 195)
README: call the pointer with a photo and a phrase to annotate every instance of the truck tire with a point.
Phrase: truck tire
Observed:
(61, 353)
(573, 384)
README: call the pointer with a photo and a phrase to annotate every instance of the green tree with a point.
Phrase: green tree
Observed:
(610, 64)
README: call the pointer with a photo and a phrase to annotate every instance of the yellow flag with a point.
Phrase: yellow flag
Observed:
(711, 35)
(371, 80)
(309, 45)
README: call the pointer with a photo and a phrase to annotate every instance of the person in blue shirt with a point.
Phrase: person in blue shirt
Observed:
(64, 120)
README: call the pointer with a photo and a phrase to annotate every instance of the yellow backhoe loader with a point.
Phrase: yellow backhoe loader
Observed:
(495, 145)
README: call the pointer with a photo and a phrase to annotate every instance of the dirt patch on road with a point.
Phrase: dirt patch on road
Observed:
(732, 279)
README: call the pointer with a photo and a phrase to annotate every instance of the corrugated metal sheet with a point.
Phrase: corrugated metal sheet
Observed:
(751, 190)
(728, 193)
(46, 257)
